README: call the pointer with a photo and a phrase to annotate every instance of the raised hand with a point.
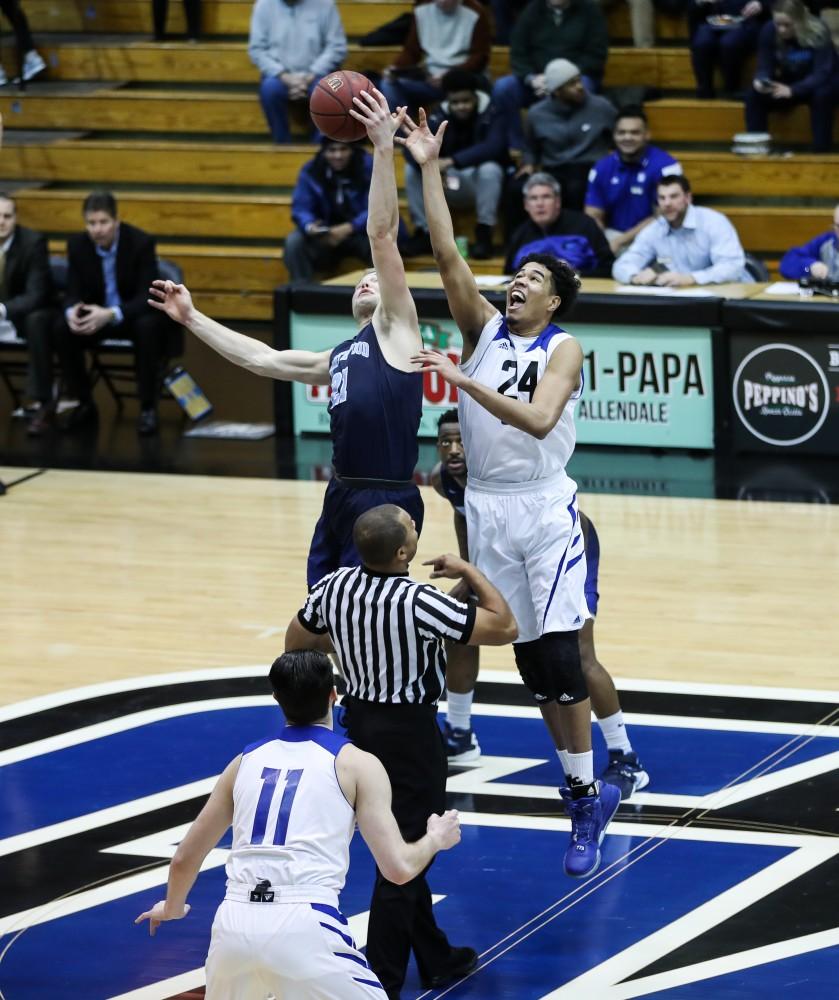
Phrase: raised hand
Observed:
(423, 144)
(436, 361)
(172, 299)
(372, 111)
(448, 566)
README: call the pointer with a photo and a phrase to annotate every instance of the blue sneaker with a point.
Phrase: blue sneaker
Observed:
(626, 772)
(590, 816)
(461, 745)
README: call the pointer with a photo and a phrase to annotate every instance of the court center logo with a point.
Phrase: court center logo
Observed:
(780, 394)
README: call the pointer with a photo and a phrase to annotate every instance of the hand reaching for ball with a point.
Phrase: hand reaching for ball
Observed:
(372, 111)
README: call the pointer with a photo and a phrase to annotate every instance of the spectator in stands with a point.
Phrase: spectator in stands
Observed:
(724, 33)
(551, 228)
(817, 259)
(31, 61)
(473, 158)
(574, 30)
(621, 195)
(641, 21)
(444, 35)
(293, 43)
(110, 269)
(796, 64)
(685, 245)
(329, 207)
(568, 131)
(27, 301)
(192, 9)
(504, 14)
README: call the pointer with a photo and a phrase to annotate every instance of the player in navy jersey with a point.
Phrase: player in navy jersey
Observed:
(624, 770)
(518, 384)
(293, 802)
(376, 400)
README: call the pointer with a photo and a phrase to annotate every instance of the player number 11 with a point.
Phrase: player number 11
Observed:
(270, 778)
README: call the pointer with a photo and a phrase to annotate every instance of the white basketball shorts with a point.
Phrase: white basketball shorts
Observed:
(527, 541)
(295, 951)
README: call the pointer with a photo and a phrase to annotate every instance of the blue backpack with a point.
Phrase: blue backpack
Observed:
(574, 249)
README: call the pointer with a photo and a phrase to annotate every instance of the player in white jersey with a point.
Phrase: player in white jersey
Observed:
(293, 802)
(518, 383)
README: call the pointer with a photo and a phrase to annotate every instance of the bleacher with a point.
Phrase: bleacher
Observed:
(176, 131)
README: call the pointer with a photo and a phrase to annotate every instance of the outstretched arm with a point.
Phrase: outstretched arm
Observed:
(538, 417)
(290, 366)
(470, 309)
(365, 782)
(396, 303)
(201, 838)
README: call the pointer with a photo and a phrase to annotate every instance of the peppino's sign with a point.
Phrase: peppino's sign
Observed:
(785, 395)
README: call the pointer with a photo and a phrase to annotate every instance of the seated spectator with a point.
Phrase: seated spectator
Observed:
(551, 228)
(546, 30)
(473, 158)
(110, 269)
(621, 195)
(27, 301)
(727, 43)
(685, 245)
(329, 207)
(293, 43)
(817, 259)
(31, 61)
(568, 131)
(641, 22)
(444, 35)
(504, 14)
(796, 64)
(192, 9)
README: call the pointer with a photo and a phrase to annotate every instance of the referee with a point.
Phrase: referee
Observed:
(388, 633)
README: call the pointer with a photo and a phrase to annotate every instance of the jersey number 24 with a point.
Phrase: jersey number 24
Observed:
(527, 383)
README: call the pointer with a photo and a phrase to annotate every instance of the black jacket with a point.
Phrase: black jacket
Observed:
(29, 283)
(471, 143)
(136, 269)
(569, 223)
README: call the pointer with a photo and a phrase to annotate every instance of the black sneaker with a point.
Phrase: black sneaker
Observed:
(626, 772)
(462, 961)
(416, 245)
(482, 248)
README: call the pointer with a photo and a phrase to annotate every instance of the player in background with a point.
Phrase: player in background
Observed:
(624, 769)
(518, 384)
(293, 802)
(376, 401)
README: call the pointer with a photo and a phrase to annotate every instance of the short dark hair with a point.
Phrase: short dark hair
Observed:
(100, 201)
(378, 534)
(302, 682)
(670, 179)
(459, 79)
(449, 417)
(5, 196)
(632, 111)
(565, 279)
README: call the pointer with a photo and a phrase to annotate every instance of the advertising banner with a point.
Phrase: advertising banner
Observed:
(785, 395)
(641, 388)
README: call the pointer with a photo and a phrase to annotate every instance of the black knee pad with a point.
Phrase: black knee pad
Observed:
(551, 669)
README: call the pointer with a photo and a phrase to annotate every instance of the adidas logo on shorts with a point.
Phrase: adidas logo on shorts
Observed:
(565, 697)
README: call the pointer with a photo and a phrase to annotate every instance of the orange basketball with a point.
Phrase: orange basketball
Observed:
(331, 101)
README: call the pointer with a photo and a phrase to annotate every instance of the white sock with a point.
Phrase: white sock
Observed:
(459, 709)
(563, 760)
(581, 767)
(614, 732)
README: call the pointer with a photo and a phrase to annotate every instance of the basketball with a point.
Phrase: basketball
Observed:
(331, 101)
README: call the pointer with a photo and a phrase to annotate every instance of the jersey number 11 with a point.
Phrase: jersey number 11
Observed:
(271, 778)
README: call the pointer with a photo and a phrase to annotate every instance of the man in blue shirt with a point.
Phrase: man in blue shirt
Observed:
(817, 259)
(686, 245)
(621, 195)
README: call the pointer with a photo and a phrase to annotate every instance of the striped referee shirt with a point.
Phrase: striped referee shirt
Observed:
(388, 632)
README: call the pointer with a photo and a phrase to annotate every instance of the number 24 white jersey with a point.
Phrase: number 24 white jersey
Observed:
(292, 824)
(513, 365)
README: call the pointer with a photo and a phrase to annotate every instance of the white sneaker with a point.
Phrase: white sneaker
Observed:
(33, 64)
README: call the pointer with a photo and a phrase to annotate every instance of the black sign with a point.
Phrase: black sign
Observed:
(785, 394)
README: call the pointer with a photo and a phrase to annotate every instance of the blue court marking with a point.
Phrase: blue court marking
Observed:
(99, 953)
(698, 761)
(811, 975)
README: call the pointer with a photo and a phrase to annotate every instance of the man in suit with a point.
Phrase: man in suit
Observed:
(110, 269)
(27, 301)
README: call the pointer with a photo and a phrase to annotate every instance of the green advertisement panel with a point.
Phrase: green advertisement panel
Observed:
(642, 388)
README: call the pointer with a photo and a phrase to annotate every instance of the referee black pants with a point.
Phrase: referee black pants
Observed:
(407, 740)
